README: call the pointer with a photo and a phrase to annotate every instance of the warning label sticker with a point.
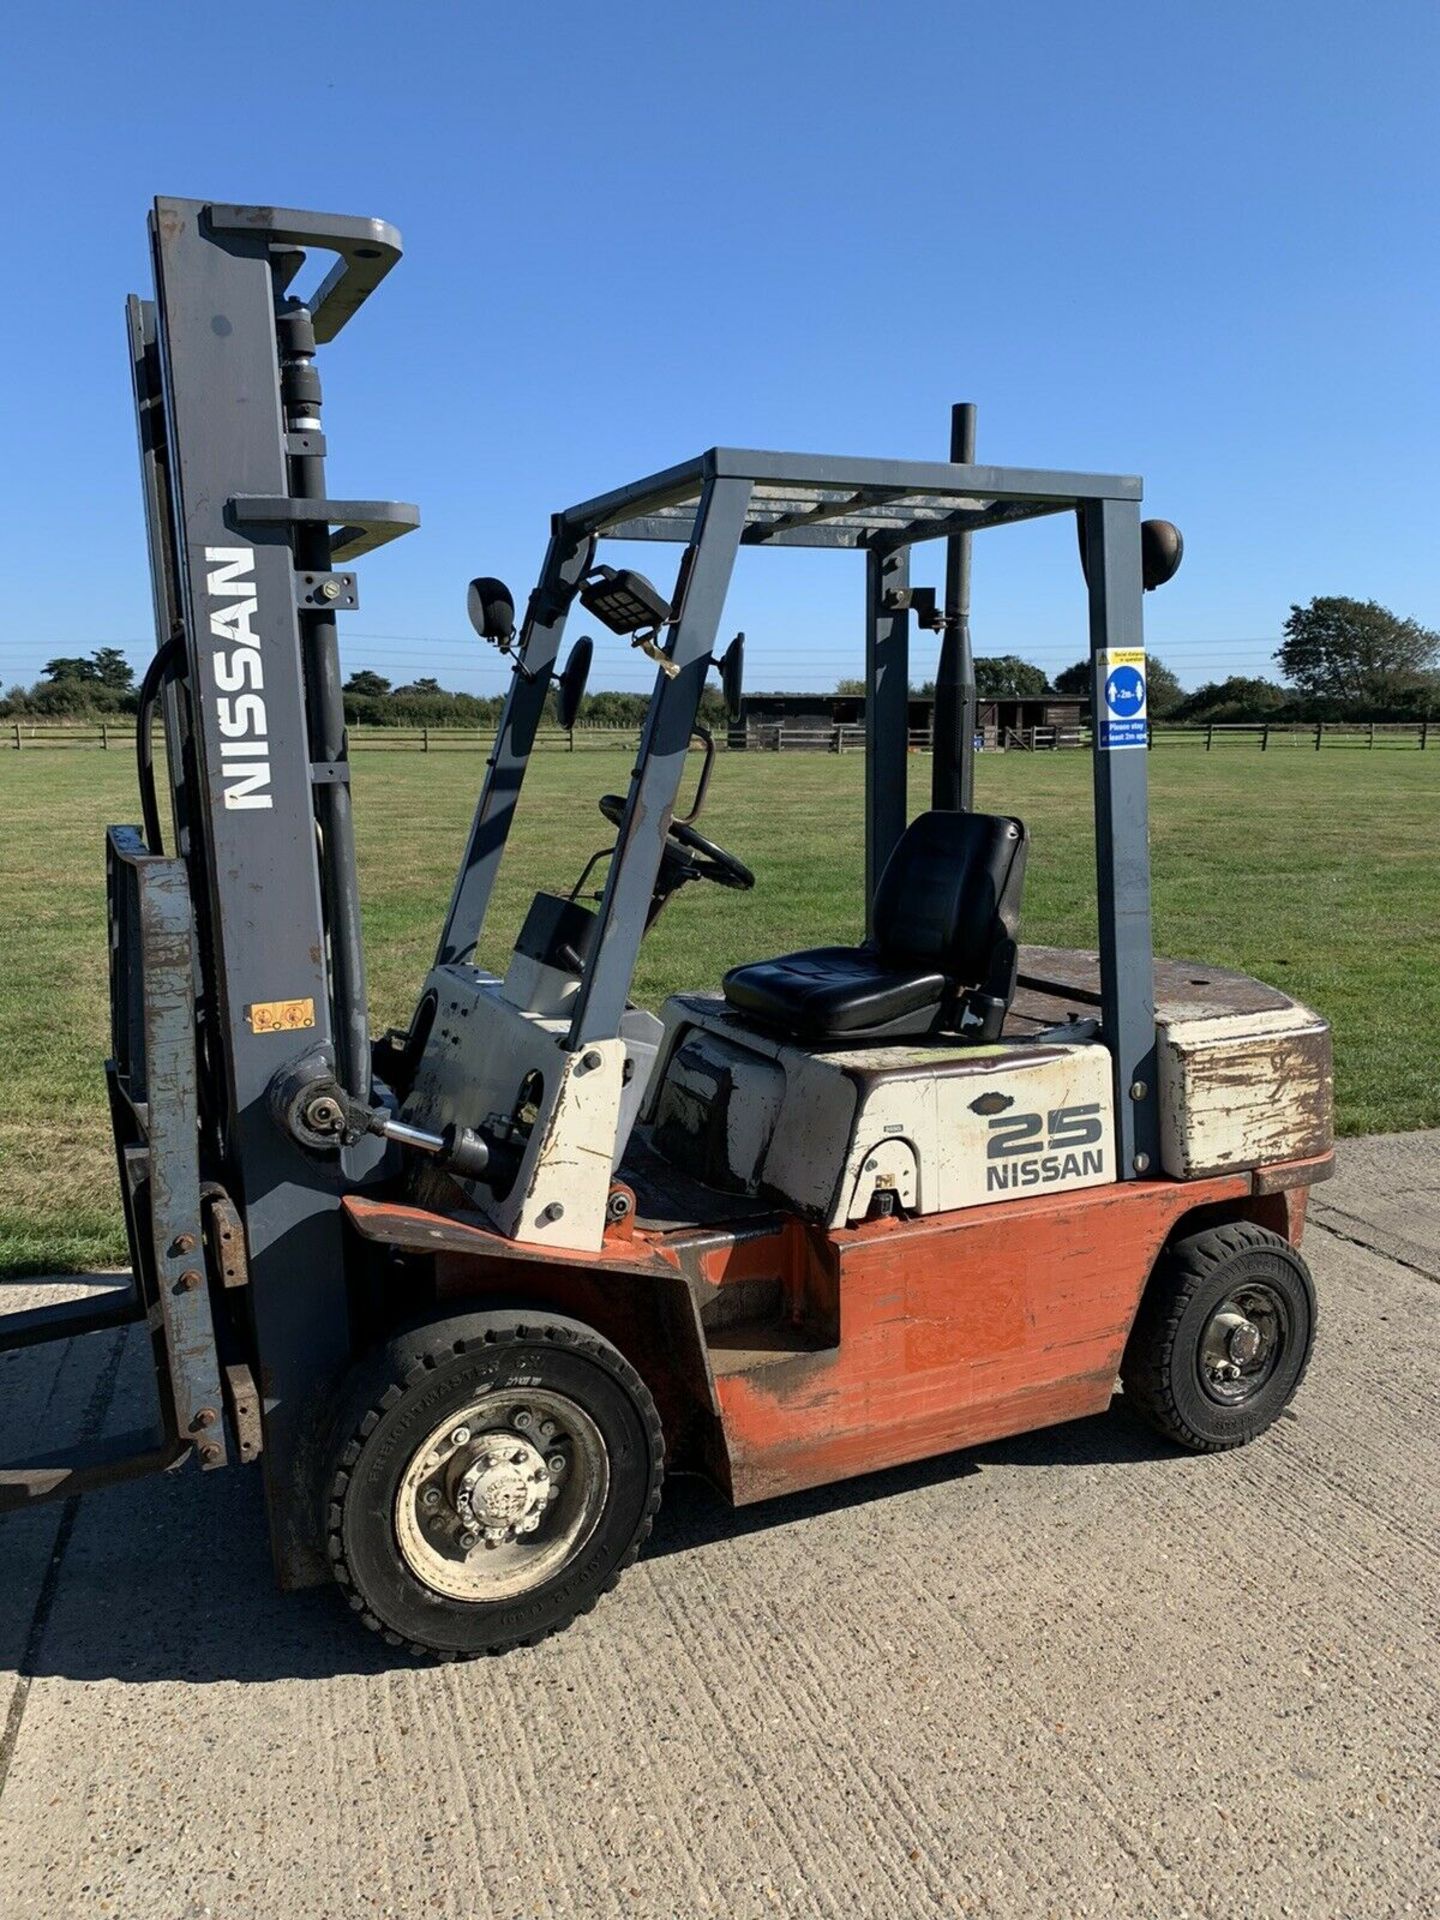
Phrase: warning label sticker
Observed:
(1124, 722)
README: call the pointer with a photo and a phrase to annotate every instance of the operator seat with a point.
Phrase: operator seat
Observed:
(942, 957)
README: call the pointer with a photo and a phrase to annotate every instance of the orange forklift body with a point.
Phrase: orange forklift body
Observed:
(784, 1356)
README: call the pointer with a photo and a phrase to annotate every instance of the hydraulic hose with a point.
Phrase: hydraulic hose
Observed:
(155, 676)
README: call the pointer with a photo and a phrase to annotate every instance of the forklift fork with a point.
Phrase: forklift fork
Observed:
(153, 1084)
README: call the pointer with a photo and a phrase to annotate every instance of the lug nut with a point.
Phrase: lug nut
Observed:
(430, 1497)
(556, 1463)
(459, 1436)
(469, 1538)
(522, 1418)
(547, 1429)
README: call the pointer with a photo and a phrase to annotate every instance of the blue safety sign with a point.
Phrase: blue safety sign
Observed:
(1124, 722)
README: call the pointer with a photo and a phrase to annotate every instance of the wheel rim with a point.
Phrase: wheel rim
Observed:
(1242, 1344)
(501, 1494)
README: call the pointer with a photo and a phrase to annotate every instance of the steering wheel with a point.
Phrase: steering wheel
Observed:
(699, 858)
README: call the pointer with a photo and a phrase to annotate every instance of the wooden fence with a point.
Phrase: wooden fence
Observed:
(1311, 734)
(849, 737)
(579, 738)
(119, 732)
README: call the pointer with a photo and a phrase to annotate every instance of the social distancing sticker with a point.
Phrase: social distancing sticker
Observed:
(1124, 721)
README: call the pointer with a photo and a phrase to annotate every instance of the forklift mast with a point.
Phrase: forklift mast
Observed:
(237, 953)
(249, 561)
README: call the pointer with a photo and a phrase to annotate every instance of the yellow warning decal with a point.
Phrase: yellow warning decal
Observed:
(280, 1016)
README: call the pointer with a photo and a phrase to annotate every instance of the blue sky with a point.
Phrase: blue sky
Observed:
(1197, 243)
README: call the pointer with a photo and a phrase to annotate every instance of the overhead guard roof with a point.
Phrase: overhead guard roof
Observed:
(816, 500)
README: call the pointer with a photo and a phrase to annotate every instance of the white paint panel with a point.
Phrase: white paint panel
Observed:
(1246, 1090)
(480, 1050)
(905, 1115)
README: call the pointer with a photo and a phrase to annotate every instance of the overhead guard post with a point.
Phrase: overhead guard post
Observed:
(952, 761)
(1111, 531)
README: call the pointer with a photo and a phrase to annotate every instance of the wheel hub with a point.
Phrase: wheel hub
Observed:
(505, 1488)
(501, 1494)
(1241, 1344)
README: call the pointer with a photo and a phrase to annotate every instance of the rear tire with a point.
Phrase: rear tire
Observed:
(1222, 1339)
(458, 1546)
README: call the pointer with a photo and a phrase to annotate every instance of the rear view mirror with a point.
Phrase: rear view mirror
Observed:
(570, 683)
(732, 676)
(491, 607)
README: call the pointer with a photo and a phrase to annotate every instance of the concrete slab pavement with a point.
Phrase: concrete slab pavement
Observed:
(1386, 1196)
(1070, 1674)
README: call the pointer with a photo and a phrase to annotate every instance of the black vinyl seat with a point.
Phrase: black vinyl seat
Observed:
(942, 957)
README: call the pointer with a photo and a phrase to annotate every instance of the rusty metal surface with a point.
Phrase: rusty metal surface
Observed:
(801, 1357)
(243, 1405)
(874, 1067)
(1293, 1173)
(1245, 1099)
(153, 1084)
(416, 1230)
(954, 1330)
(1184, 989)
(189, 1370)
(225, 1241)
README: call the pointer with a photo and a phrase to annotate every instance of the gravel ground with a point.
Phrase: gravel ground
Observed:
(1070, 1674)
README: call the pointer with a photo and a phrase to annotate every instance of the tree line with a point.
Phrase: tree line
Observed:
(1341, 659)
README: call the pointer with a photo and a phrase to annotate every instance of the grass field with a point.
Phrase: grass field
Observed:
(1315, 871)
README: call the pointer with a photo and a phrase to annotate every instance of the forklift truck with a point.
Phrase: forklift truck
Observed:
(467, 1290)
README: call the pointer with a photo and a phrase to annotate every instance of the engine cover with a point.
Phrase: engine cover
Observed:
(841, 1133)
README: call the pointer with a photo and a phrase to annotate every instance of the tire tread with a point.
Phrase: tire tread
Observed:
(1147, 1370)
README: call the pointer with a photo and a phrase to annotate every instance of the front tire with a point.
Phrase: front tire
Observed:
(1222, 1339)
(496, 1474)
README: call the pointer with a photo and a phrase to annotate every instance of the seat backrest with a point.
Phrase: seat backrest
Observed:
(950, 892)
